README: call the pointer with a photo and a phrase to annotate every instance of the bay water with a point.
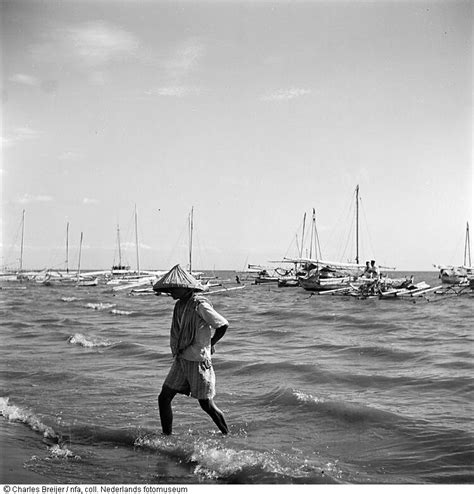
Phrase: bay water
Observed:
(315, 389)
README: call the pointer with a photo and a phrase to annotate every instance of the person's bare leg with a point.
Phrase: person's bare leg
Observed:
(166, 412)
(216, 415)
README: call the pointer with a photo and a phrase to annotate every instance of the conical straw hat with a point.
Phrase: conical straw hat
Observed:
(177, 277)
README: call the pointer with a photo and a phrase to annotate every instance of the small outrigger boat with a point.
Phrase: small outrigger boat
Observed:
(458, 275)
(328, 275)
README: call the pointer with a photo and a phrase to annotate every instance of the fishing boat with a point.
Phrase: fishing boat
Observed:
(12, 274)
(289, 276)
(329, 275)
(124, 278)
(265, 276)
(458, 275)
(119, 269)
(322, 275)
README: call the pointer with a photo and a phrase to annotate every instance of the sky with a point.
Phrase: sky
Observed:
(248, 113)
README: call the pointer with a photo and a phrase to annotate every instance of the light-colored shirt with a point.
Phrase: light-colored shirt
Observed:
(209, 319)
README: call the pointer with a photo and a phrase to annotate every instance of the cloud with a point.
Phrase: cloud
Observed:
(87, 46)
(17, 135)
(98, 43)
(88, 200)
(27, 198)
(286, 94)
(177, 91)
(27, 80)
(185, 58)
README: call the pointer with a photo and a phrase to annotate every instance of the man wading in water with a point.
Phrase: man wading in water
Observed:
(192, 346)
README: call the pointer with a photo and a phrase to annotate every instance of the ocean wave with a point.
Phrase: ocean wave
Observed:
(69, 299)
(303, 370)
(214, 459)
(119, 312)
(136, 349)
(61, 451)
(383, 352)
(88, 341)
(351, 412)
(348, 411)
(100, 306)
(17, 414)
(14, 413)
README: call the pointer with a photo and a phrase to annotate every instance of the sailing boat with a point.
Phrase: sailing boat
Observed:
(132, 281)
(458, 275)
(196, 274)
(123, 274)
(119, 269)
(289, 278)
(9, 274)
(330, 275)
(84, 280)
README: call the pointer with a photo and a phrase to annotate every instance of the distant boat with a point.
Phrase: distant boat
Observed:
(290, 277)
(458, 275)
(322, 275)
(9, 274)
(124, 278)
(260, 275)
(88, 282)
(119, 269)
(331, 275)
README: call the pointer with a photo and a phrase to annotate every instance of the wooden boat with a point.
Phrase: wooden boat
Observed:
(329, 276)
(120, 269)
(260, 275)
(8, 274)
(288, 281)
(265, 277)
(458, 275)
(322, 275)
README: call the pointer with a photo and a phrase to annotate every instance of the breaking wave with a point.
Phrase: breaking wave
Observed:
(118, 312)
(88, 341)
(17, 414)
(99, 306)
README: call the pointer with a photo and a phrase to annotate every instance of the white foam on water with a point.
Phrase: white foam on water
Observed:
(88, 341)
(99, 306)
(118, 312)
(17, 414)
(61, 451)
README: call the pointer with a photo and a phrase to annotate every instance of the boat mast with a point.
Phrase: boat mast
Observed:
(119, 247)
(317, 246)
(22, 239)
(136, 240)
(67, 247)
(79, 261)
(467, 248)
(357, 225)
(191, 226)
(302, 236)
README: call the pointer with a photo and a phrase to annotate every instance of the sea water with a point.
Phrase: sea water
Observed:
(315, 389)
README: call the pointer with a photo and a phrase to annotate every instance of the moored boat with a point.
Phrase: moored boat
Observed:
(458, 275)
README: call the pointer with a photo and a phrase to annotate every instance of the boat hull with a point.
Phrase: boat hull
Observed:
(318, 284)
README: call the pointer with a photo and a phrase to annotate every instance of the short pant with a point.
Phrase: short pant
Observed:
(191, 378)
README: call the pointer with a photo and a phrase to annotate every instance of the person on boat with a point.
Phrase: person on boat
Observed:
(408, 283)
(192, 372)
(374, 270)
(366, 272)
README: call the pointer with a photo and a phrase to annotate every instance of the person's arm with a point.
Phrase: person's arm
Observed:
(219, 333)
